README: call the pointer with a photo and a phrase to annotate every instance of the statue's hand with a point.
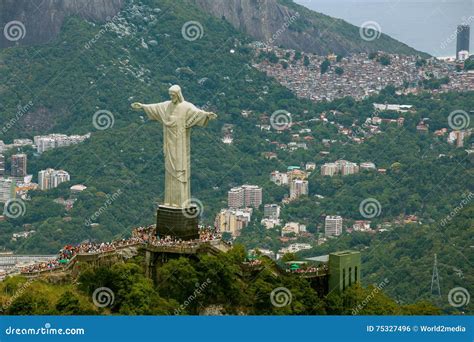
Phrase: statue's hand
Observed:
(212, 116)
(137, 105)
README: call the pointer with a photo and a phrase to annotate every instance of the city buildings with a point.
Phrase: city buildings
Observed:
(235, 197)
(293, 248)
(329, 169)
(347, 167)
(279, 178)
(271, 211)
(362, 76)
(7, 189)
(462, 42)
(245, 196)
(50, 178)
(50, 141)
(233, 220)
(298, 188)
(361, 226)
(18, 167)
(367, 166)
(293, 227)
(333, 226)
(2, 165)
(341, 166)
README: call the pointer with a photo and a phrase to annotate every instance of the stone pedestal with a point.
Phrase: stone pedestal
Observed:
(178, 222)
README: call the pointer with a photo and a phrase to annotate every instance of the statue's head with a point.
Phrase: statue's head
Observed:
(175, 94)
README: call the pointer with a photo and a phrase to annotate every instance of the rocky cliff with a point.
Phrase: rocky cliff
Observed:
(282, 22)
(28, 22)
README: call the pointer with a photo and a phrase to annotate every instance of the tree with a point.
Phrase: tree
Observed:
(339, 71)
(68, 304)
(306, 61)
(325, 66)
(384, 60)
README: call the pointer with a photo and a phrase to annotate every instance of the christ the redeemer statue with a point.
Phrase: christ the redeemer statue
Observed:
(177, 117)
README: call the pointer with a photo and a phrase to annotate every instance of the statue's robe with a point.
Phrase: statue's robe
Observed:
(177, 120)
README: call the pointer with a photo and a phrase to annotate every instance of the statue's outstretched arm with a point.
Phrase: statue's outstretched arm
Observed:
(137, 105)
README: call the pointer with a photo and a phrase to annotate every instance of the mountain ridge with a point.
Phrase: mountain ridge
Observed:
(285, 23)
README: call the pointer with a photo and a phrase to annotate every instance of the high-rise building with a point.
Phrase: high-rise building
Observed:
(349, 168)
(245, 196)
(333, 226)
(7, 190)
(235, 198)
(18, 168)
(463, 33)
(252, 196)
(329, 169)
(2, 165)
(50, 178)
(271, 211)
(298, 187)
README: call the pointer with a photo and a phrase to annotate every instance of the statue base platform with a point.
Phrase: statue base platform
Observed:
(181, 223)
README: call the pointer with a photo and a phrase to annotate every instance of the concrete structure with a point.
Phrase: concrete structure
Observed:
(279, 178)
(298, 188)
(293, 227)
(271, 211)
(270, 223)
(2, 165)
(329, 169)
(244, 196)
(462, 41)
(344, 270)
(18, 167)
(346, 167)
(7, 190)
(252, 196)
(361, 226)
(47, 142)
(333, 226)
(367, 166)
(181, 223)
(235, 198)
(233, 220)
(310, 166)
(50, 178)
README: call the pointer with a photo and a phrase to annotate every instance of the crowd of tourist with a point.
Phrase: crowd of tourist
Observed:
(140, 235)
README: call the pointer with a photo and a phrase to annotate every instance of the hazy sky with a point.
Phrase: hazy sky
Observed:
(427, 25)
